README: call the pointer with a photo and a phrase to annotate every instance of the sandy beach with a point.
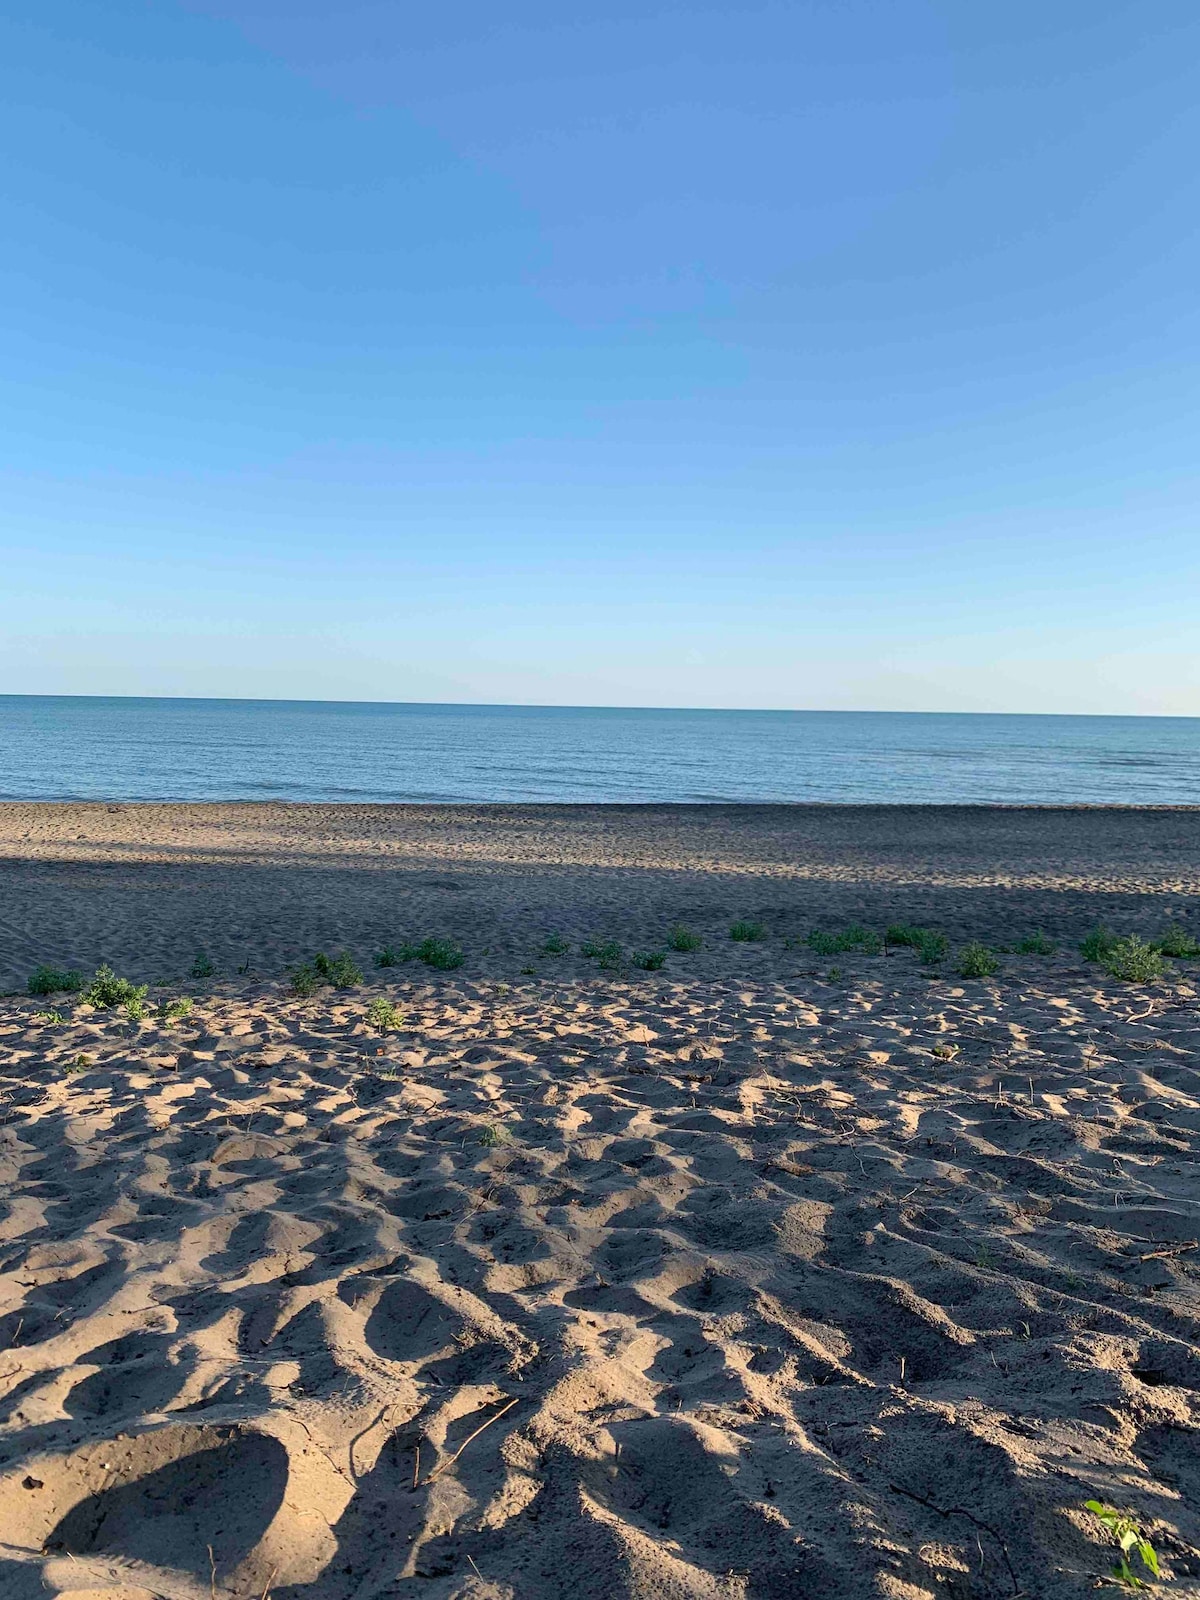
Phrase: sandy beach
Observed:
(764, 1274)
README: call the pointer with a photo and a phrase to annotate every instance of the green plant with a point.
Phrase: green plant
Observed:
(54, 980)
(747, 932)
(392, 955)
(51, 1018)
(529, 972)
(443, 954)
(929, 945)
(649, 960)
(608, 953)
(852, 938)
(833, 974)
(1128, 1537)
(175, 1010)
(493, 1135)
(135, 1008)
(344, 972)
(383, 1016)
(1035, 944)
(1133, 960)
(202, 967)
(1178, 942)
(79, 1063)
(555, 945)
(306, 980)
(107, 990)
(684, 940)
(975, 960)
(1098, 943)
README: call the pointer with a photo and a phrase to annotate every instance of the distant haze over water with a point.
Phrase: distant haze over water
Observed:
(79, 748)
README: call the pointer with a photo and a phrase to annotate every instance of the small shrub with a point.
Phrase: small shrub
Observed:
(1133, 961)
(106, 990)
(493, 1135)
(175, 1010)
(443, 954)
(393, 955)
(51, 1018)
(555, 945)
(79, 1063)
(649, 960)
(929, 945)
(1128, 1537)
(383, 1016)
(833, 974)
(306, 980)
(1098, 943)
(684, 940)
(344, 972)
(135, 1008)
(609, 953)
(54, 980)
(529, 972)
(1177, 942)
(747, 932)
(202, 967)
(1035, 944)
(975, 960)
(852, 938)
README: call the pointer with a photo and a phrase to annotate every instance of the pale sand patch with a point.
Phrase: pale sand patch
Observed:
(727, 1280)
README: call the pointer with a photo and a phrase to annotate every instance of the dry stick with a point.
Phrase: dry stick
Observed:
(1170, 1250)
(450, 1460)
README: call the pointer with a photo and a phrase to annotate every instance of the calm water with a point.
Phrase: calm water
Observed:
(116, 749)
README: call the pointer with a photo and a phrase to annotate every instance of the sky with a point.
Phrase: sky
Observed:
(805, 353)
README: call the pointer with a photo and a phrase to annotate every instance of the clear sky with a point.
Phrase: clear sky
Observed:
(808, 353)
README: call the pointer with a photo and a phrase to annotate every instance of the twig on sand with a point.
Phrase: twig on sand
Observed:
(1170, 1250)
(450, 1460)
(961, 1511)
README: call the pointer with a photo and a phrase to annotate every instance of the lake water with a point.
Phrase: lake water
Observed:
(66, 747)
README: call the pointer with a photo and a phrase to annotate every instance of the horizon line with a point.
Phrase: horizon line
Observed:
(534, 705)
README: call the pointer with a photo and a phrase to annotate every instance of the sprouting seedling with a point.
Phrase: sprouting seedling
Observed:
(1128, 1537)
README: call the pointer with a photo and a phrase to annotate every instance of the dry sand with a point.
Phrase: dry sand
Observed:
(739, 1278)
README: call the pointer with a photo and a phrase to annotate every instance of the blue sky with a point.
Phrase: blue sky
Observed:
(833, 354)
